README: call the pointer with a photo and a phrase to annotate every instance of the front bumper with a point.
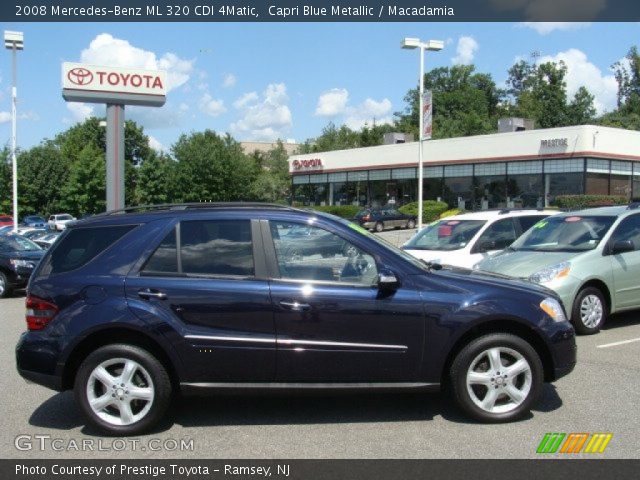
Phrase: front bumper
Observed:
(564, 351)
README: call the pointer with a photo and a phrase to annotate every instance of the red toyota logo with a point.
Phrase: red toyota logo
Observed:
(80, 76)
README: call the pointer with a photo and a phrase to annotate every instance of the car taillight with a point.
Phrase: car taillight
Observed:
(39, 312)
(366, 218)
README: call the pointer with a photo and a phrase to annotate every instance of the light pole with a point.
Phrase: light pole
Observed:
(434, 46)
(14, 41)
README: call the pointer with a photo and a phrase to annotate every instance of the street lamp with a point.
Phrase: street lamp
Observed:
(433, 46)
(14, 41)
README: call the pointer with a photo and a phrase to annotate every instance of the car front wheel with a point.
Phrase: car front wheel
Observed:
(122, 389)
(379, 227)
(589, 311)
(5, 288)
(411, 224)
(497, 378)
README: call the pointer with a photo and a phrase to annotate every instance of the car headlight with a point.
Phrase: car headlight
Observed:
(553, 308)
(21, 263)
(553, 272)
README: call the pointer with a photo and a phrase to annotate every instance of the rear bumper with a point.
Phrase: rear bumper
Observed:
(37, 360)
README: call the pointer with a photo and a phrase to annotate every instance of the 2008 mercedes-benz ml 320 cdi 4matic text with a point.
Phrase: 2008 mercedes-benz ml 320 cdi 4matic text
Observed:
(129, 308)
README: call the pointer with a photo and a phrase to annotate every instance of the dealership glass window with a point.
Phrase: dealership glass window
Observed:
(490, 191)
(300, 179)
(433, 184)
(319, 178)
(458, 186)
(402, 192)
(302, 195)
(403, 173)
(568, 165)
(378, 193)
(597, 182)
(563, 184)
(621, 178)
(357, 193)
(526, 191)
(338, 193)
(380, 175)
(318, 194)
(636, 181)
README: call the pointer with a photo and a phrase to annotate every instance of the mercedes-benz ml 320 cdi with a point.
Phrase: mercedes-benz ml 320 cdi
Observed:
(131, 307)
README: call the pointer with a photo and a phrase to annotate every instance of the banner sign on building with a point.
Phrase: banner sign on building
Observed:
(427, 115)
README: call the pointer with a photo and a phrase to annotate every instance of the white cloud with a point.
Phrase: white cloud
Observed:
(245, 99)
(466, 49)
(581, 72)
(155, 144)
(369, 112)
(108, 50)
(5, 117)
(80, 111)
(212, 106)
(169, 116)
(545, 28)
(332, 102)
(266, 117)
(229, 80)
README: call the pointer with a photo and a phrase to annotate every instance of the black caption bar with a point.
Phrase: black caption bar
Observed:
(318, 11)
(316, 469)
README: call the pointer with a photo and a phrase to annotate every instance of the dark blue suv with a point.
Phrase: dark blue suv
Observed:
(131, 307)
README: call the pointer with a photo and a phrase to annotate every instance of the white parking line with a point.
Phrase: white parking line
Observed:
(615, 344)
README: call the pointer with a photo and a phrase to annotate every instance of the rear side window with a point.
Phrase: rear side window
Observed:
(206, 248)
(80, 246)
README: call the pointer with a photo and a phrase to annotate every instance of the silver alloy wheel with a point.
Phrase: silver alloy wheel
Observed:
(2, 285)
(499, 380)
(591, 311)
(120, 391)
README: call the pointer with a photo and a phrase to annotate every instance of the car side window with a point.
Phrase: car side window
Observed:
(498, 235)
(322, 256)
(629, 229)
(528, 221)
(207, 248)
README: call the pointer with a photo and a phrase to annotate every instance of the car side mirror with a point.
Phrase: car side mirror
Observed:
(622, 246)
(387, 281)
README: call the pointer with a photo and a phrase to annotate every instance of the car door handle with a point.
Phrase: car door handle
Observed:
(148, 293)
(295, 306)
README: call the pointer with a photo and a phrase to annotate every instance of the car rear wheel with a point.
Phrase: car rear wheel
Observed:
(589, 311)
(379, 227)
(411, 224)
(497, 378)
(5, 288)
(122, 389)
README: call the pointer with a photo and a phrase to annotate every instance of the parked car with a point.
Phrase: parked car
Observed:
(379, 219)
(45, 241)
(466, 239)
(34, 221)
(590, 258)
(18, 257)
(59, 221)
(127, 308)
(34, 233)
(6, 221)
(6, 229)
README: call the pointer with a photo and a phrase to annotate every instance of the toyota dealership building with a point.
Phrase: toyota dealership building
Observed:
(514, 169)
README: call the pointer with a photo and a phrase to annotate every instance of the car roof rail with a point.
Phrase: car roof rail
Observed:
(194, 206)
(502, 211)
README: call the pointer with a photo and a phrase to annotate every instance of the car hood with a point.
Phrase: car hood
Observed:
(470, 280)
(30, 255)
(443, 257)
(522, 264)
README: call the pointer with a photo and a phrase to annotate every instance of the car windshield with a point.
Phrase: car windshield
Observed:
(64, 217)
(446, 235)
(17, 243)
(573, 233)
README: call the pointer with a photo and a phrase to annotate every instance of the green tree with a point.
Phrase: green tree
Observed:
(627, 74)
(42, 174)
(211, 168)
(332, 138)
(155, 180)
(464, 103)
(272, 182)
(6, 195)
(85, 190)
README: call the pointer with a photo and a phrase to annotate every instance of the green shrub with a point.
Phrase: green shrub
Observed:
(431, 209)
(577, 202)
(451, 213)
(344, 211)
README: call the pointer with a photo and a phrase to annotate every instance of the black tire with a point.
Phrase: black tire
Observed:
(5, 288)
(470, 353)
(379, 227)
(576, 314)
(411, 224)
(161, 385)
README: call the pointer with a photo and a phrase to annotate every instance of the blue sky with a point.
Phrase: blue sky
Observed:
(267, 81)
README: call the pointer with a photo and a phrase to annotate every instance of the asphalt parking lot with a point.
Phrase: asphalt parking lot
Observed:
(601, 395)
